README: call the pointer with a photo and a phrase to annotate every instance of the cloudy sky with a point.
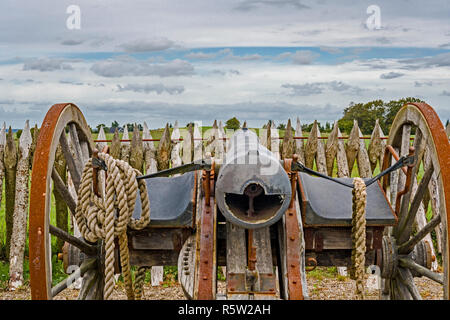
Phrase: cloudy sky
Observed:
(202, 60)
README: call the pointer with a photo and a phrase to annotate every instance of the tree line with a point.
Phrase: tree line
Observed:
(364, 113)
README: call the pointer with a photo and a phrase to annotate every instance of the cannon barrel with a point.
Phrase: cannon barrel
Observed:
(252, 190)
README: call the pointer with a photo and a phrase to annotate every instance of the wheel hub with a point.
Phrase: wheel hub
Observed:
(421, 255)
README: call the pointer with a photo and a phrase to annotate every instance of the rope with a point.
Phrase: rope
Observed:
(359, 235)
(139, 282)
(106, 218)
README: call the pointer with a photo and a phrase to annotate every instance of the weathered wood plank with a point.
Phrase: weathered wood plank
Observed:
(274, 140)
(198, 145)
(434, 197)
(10, 161)
(219, 149)
(2, 151)
(186, 269)
(19, 230)
(76, 147)
(315, 150)
(376, 146)
(263, 135)
(331, 149)
(60, 203)
(264, 262)
(352, 146)
(164, 150)
(299, 147)
(176, 149)
(149, 151)
(341, 158)
(125, 147)
(101, 136)
(236, 256)
(363, 159)
(224, 135)
(114, 151)
(210, 137)
(72, 165)
(311, 146)
(288, 146)
(187, 146)
(137, 150)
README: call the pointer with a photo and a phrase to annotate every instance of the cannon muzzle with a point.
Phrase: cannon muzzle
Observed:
(252, 189)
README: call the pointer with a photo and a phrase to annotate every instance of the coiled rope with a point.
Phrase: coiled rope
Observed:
(105, 218)
(359, 235)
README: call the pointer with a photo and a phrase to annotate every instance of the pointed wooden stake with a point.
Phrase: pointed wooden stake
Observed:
(19, 230)
(288, 146)
(137, 150)
(164, 150)
(10, 161)
(125, 147)
(352, 146)
(114, 151)
(299, 147)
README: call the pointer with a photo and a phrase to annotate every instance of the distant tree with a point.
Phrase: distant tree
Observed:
(367, 113)
(233, 123)
(447, 123)
(115, 124)
(102, 125)
(281, 126)
(392, 108)
(130, 127)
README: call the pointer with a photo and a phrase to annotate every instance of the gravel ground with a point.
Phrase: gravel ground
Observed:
(319, 287)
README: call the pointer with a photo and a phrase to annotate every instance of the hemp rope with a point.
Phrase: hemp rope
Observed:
(105, 218)
(359, 235)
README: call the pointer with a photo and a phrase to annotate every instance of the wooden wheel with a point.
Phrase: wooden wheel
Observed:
(418, 245)
(61, 122)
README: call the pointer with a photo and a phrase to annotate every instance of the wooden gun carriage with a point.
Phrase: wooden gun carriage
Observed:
(256, 215)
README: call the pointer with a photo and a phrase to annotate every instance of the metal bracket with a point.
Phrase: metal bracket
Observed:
(251, 282)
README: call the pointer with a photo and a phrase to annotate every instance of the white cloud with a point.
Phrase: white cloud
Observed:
(391, 75)
(299, 57)
(200, 55)
(159, 88)
(147, 45)
(247, 5)
(46, 64)
(128, 66)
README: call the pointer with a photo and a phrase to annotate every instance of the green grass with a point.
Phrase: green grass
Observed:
(320, 273)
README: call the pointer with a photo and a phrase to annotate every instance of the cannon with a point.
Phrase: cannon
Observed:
(266, 220)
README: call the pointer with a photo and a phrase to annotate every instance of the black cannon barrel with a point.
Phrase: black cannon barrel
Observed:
(252, 190)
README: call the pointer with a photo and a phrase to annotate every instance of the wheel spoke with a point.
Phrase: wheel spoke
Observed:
(76, 146)
(63, 191)
(405, 200)
(75, 173)
(405, 229)
(408, 263)
(85, 266)
(79, 243)
(409, 245)
(407, 279)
